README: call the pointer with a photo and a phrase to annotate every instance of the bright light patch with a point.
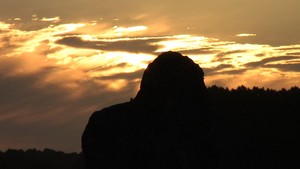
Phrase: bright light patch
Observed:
(4, 26)
(65, 28)
(245, 35)
(181, 42)
(130, 29)
(55, 19)
(137, 61)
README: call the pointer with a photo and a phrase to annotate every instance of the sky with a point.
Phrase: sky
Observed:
(62, 60)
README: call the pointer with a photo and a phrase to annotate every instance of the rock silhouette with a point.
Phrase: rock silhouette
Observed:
(164, 127)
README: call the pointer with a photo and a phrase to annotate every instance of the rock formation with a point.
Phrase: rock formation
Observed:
(164, 127)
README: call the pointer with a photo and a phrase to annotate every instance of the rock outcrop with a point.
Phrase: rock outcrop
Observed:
(164, 127)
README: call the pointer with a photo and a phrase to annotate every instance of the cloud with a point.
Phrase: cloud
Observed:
(218, 69)
(294, 53)
(221, 56)
(270, 59)
(288, 48)
(285, 67)
(200, 51)
(126, 76)
(130, 45)
(107, 67)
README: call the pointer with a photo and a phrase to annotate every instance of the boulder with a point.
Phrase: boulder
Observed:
(164, 127)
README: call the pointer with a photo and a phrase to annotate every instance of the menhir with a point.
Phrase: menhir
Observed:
(163, 127)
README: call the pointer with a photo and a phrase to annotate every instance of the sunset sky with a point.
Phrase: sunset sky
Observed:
(62, 60)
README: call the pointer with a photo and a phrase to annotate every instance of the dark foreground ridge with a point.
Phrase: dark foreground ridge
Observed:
(164, 127)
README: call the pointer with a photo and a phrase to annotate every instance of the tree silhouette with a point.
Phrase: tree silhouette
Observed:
(256, 128)
(46, 159)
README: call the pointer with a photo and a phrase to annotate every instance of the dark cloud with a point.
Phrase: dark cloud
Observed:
(260, 54)
(233, 72)
(217, 70)
(285, 67)
(287, 48)
(220, 70)
(7, 45)
(228, 72)
(127, 76)
(294, 53)
(199, 51)
(133, 45)
(104, 67)
(3, 31)
(222, 55)
(268, 60)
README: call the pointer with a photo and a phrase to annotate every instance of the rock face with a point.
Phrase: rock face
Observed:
(163, 127)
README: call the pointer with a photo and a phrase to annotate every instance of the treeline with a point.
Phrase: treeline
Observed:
(256, 127)
(36, 159)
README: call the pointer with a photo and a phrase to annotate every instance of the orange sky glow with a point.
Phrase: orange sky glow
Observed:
(56, 68)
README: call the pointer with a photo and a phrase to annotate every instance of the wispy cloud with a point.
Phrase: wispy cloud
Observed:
(270, 60)
(135, 45)
(292, 67)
